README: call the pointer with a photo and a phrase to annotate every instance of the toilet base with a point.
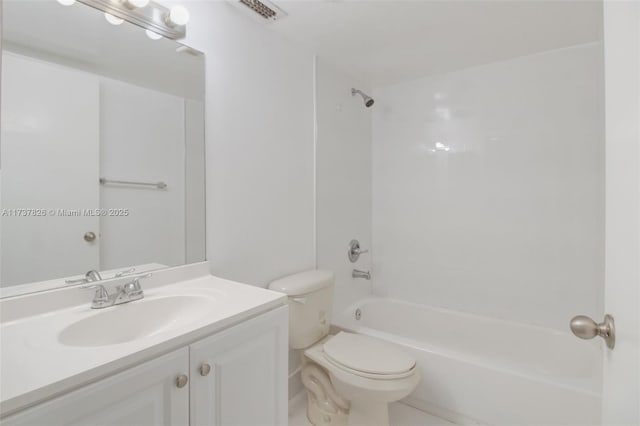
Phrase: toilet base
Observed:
(324, 406)
(319, 417)
(340, 397)
(368, 413)
(360, 414)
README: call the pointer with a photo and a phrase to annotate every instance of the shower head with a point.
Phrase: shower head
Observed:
(368, 100)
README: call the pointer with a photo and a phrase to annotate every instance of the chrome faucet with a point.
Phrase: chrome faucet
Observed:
(101, 298)
(125, 272)
(93, 275)
(355, 251)
(124, 294)
(90, 276)
(361, 274)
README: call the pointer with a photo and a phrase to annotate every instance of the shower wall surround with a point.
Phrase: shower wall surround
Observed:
(488, 188)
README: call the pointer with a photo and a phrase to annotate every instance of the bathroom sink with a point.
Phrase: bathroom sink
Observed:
(135, 320)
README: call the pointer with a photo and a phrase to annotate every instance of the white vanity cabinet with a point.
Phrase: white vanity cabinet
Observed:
(239, 376)
(143, 395)
(245, 385)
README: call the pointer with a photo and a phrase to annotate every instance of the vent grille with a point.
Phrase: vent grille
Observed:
(270, 12)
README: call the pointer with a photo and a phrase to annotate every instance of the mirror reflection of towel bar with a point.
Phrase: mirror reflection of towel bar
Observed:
(157, 185)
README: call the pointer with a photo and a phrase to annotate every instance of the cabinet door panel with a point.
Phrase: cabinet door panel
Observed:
(247, 384)
(143, 395)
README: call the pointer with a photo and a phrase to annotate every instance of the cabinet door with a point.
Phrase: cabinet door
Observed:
(247, 381)
(143, 395)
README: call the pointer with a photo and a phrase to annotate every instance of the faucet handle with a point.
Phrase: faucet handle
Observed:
(125, 272)
(101, 296)
(355, 251)
(134, 286)
(90, 276)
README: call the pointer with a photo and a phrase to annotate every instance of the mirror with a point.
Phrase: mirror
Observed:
(101, 149)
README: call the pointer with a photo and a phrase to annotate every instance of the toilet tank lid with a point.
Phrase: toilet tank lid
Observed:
(303, 283)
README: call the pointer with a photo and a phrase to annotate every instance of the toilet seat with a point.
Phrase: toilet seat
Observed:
(368, 357)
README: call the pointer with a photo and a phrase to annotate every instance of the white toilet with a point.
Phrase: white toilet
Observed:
(350, 378)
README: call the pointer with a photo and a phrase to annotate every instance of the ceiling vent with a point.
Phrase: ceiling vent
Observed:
(262, 9)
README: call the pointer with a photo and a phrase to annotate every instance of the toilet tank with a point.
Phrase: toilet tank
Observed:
(310, 296)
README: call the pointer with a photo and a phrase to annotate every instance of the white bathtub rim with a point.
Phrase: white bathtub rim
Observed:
(444, 309)
(346, 324)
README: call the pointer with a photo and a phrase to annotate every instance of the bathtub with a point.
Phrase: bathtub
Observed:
(484, 370)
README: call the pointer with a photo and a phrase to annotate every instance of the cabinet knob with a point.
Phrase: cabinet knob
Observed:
(205, 369)
(182, 380)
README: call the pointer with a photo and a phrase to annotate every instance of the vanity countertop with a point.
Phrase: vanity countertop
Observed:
(39, 362)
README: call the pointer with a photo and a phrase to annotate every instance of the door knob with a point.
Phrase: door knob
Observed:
(89, 236)
(586, 328)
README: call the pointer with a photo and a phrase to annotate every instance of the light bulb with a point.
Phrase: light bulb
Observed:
(138, 3)
(113, 20)
(66, 2)
(179, 15)
(152, 35)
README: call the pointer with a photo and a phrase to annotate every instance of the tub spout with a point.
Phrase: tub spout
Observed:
(361, 274)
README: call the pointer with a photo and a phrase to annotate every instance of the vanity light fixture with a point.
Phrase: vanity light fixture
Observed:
(136, 3)
(113, 20)
(178, 15)
(152, 35)
(441, 147)
(148, 14)
(66, 2)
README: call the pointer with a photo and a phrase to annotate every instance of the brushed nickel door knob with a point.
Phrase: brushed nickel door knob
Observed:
(182, 380)
(586, 328)
(205, 369)
(89, 236)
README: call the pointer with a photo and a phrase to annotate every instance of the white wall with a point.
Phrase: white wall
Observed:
(195, 206)
(259, 136)
(259, 115)
(343, 181)
(509, 221)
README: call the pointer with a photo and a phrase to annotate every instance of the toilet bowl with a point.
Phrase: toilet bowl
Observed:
(350, 378)
(367, 372)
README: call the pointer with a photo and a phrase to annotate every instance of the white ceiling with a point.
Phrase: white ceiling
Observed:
(384, 42)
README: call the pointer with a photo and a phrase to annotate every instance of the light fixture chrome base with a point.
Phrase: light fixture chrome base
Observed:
(152, 17)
